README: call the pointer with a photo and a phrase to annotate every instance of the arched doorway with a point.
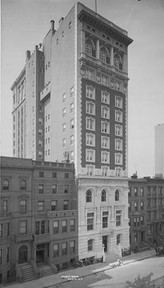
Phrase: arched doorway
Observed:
(23, 254)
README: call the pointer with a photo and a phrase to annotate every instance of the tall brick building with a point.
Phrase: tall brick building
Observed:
(70, 102)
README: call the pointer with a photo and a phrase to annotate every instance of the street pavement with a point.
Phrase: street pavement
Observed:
(76, 275)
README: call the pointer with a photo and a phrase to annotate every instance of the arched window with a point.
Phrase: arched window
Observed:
(104, 55)
(5, 184)
(90, 47)
(103, 196)
(117, 195)
(23, 254)
(88, 196)
(23, 185)
(118, 61)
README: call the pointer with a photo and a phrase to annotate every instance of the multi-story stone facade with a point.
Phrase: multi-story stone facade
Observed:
(77, 108)
(146, 210)
(38, 215)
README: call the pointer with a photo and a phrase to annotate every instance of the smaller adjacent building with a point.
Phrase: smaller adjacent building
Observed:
(146, 211)
(38, 218)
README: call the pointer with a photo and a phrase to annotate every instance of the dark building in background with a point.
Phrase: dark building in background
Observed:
(146, 211)
(38, 218)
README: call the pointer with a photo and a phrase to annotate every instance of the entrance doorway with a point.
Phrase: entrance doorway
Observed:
(40, 256)
(105, 242)
(142, 236)
(23, 255)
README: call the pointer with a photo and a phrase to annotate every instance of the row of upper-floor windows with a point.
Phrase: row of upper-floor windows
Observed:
(91, 219)
(103, 196)
(4, 229)
(104, 53)
(105, 142)
(105, 157)
(58, 226)
(90, 170)
(105, 96)
(137, 221)
(154, 215)
(105, 111)
(24, 207)
(105, 126)
(146, 191)
(20, 93)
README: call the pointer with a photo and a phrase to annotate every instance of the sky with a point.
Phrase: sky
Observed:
(24, 23)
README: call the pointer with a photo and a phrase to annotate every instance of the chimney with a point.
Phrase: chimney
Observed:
(52, 26)
(28, 54)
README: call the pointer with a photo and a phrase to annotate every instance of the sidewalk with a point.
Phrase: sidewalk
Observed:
(80, 272)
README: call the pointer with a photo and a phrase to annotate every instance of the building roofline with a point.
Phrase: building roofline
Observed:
(18, 78)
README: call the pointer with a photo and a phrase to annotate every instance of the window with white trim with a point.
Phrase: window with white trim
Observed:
(90, 139)
(104, 171)
(105, 112)
(89, 74)
(118, 130)
(104, 80)
(72, 123)
(118, 172)
(72, 246)
(71, 156)
(118, 102)
(72, 107)
(72, 91)
(105, 157)
(118, 144)
(90, 107)
(56, 250)
(90, 245)
(90, 169)
(118, 158)
(90, 92)
(90, 123)
(118, 116)
(105, 142)
(64, 127)
(105, 127)
(64, 97)
(105, 97)
(90, 221)
(90, 155)
(104, 219)
(64, 142)
(118, 217)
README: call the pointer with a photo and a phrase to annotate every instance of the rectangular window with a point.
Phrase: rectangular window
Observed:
(1, 230)
(118, 158)
(64, 142)
(72, 246)
(64, 97)
(90, 139)
(23, 206)
(142, 220)
(66, 189)
(105, 127)
(118, 144)
(135, 206)
(118, 218)
(90, 155)
(40, 206)
(90, 221)
(7, 229)
(56, 250)
(104, 171)
(71, 139)
(135, 192)
(64, 112)
(118, 102)
(54, 188)
(105, 142)
(0, 256)
(90, 169)
(105, 219)
(105, 157)
(41, 188)
(90, 123)
(53, 205)
(43, 225)
(72, 123)
(72, 225)
(142, 205)
(72, 107)
(142, 192)
(5, 205)
(64, 127)
(23, 227)
(37, 227)
(56, 227)
(90, 107)
(54, 175)
(41, 174)
(64, 225)
(72, 90)
(118, 116)
(90, 245)
(105, 112)
(65, 205)
(105, 97)
(90, 92)
(118, 130)
(64, 248)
